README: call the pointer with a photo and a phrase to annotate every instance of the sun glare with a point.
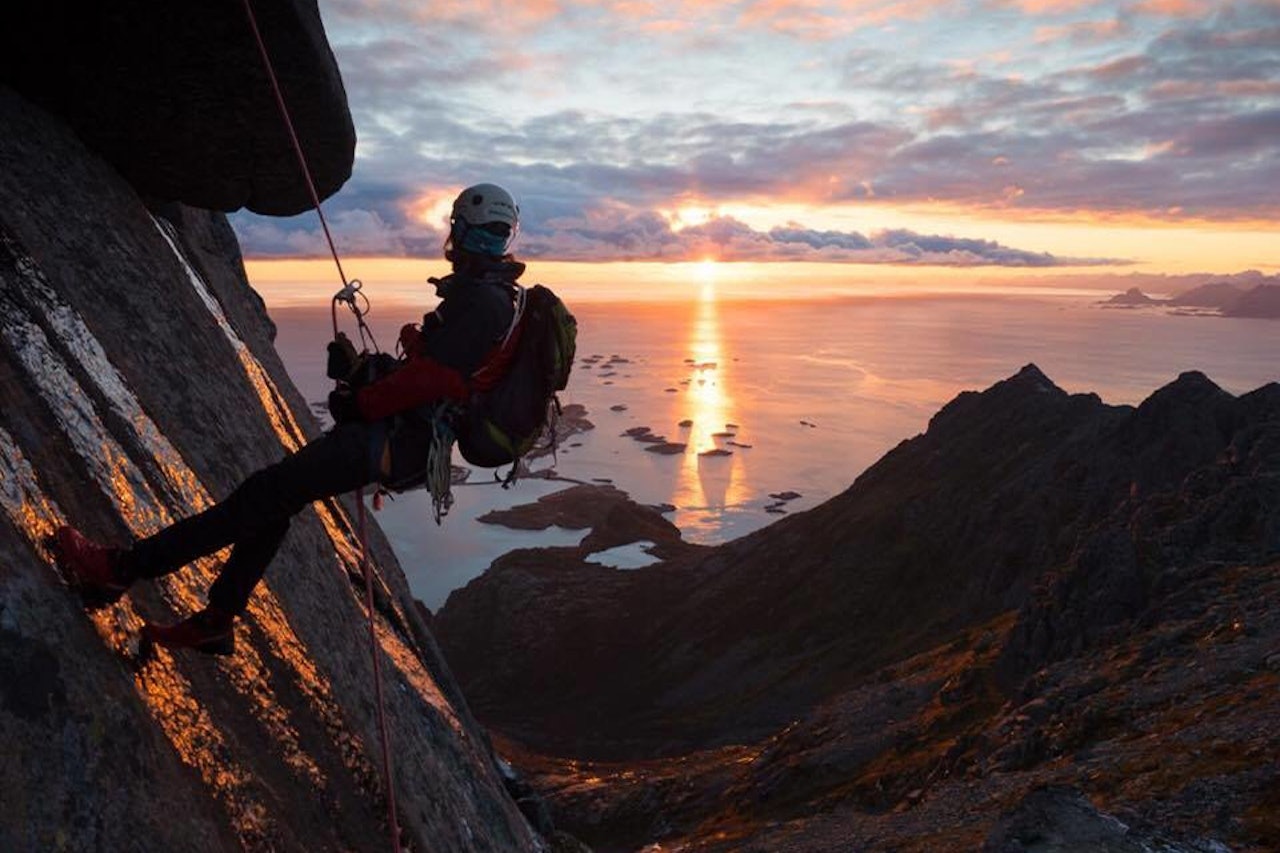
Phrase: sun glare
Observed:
(690, 215)
(432, 208)
(707, 269)
(711, 477)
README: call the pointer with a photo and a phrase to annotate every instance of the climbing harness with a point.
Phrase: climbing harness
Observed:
(351, 296)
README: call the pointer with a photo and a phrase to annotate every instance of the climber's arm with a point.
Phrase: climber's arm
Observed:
(419, 381)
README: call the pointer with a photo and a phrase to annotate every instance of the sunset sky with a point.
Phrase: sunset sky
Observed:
(1078, 135)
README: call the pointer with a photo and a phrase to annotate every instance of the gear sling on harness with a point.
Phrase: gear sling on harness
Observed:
(348, 294)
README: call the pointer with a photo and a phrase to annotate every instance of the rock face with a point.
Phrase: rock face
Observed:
(175, 96)
(139, 383)
(1062, 820)
(1041, 589)
(1170, 530)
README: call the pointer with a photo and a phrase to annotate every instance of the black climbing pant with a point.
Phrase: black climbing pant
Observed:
(255, 517)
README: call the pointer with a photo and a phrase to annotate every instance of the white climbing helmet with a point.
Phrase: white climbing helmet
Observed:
(484, 220)
(485, 203)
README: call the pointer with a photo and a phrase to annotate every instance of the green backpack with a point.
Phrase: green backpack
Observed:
(504, 423)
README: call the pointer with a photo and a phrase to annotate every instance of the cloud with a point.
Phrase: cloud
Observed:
(1085, 32)
(1173, 8)
(1234, 136)
(616, 234)
(1121, 69)
(1049, 7)
(806, 19)
(1150, 111)
(493, 15)
(356, 232)
(613, 232)
(794, 233)
(819, 20)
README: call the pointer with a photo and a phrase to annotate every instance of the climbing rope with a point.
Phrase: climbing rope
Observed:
(439, 469)
(350, 295)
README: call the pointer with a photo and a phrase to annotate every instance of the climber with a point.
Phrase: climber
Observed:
(379, 435)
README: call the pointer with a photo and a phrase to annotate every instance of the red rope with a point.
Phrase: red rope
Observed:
(365, 567)
(377, 670)
(293, 137)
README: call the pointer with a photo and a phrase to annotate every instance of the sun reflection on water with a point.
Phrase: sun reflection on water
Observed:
(710, 476)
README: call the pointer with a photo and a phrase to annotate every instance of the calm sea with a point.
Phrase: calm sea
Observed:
(803, 395)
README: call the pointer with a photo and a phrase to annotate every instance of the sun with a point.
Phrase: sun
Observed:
(690, 215)
(707, 269)
(432, 208)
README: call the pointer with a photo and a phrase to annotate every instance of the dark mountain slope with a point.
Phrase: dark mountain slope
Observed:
(947, 531)
(1041, 590)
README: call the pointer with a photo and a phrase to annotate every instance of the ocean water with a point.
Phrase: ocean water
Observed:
(795, 397)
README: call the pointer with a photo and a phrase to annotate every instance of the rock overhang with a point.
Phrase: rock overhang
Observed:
(176, 98)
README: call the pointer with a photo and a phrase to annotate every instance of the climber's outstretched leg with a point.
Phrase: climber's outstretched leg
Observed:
(211, 630)
(254, 518)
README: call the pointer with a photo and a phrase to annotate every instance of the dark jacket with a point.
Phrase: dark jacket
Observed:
(456, 339)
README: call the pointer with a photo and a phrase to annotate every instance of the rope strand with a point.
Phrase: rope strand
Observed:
(293, 137)
(385, 739)
(365, 566)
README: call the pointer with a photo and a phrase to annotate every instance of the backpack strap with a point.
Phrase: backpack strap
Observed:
(491, 371)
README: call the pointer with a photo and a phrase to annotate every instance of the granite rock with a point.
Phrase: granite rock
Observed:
(176, 98)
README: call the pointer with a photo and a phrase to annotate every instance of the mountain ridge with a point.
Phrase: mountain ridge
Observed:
(1003, 601)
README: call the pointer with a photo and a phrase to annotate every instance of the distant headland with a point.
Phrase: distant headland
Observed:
(1217, 299)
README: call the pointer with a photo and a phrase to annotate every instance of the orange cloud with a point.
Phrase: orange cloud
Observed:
(1084, 32)
(1120, 68)
(1250, 88)
(1175, 8)
(821, 19)
(1179, 89)
(432, 207)
(951, 115)
(489, 14)
(664, 15)
(1048, 7)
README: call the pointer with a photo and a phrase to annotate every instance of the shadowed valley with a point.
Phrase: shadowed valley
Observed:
(1042, 588)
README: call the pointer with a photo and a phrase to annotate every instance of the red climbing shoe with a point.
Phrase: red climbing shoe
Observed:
(209, 631)
(89, 567)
